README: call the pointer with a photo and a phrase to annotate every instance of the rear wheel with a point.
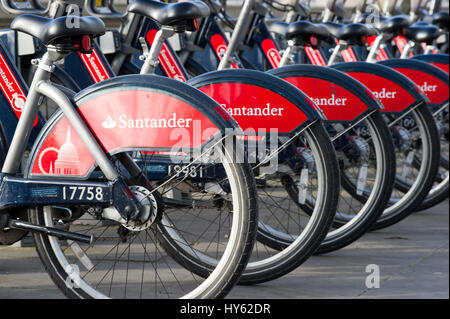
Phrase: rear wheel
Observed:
(367, 169)
(212, 225)
(367, 177)
(440, 189)
(288, 233)
(439, 192)
(200, 201)
(416, 139)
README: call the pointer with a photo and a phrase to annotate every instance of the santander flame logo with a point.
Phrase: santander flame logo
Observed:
(221, 49)
(271, 52)
(12, 89)
(18, 102)
(109, 123)
(274, 56)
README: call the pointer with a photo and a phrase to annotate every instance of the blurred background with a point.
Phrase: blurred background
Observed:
(317, 6)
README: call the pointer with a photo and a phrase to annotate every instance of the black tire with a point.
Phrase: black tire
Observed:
(229, 274)
(440, 190)
(374, 201)
(358, 212)
(244, 244)
(295, 253)
(429, 142)
(435, 197)
(223, 268)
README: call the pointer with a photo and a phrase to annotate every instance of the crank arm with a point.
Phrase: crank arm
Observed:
(51, 231)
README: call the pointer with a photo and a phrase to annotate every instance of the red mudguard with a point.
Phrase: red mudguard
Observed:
(128, 113)
(340, 97)
(395, 91)
(258, 101)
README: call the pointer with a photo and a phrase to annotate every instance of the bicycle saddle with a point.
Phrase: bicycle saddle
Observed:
(279, 28)
(353, 33)
(420, 32)
(52, 31)
(394, 25)
(439, 19)
(302, 31)
(333, 28)
(170, 14)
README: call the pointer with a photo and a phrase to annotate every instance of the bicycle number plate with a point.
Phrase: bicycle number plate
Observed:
(185, 171)
(82, 193)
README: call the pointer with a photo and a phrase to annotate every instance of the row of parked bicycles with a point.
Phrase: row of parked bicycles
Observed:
(187, 151)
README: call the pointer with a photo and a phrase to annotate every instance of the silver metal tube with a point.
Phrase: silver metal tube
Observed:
(286, 56)
(327, 15)
(26, 120)
(435, 6)
(334, 55)
(239, 31)
(340, 133)
(372, 56)
(63, 102)
(398, 119)
(291, 16)
(407, 50)
(360, 8)
(151, 60)
(440, 110)
(429, 49)
(284, 145)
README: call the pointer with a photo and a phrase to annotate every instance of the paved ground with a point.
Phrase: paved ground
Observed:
(413, 260)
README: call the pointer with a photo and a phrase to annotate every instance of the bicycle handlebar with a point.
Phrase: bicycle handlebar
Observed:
(108, 11)
(330, 4)
(336, 7)
(29, 6)
(361, 5)
(387, 6)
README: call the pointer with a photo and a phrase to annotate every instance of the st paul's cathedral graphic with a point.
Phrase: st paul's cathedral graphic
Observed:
(68, 160)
